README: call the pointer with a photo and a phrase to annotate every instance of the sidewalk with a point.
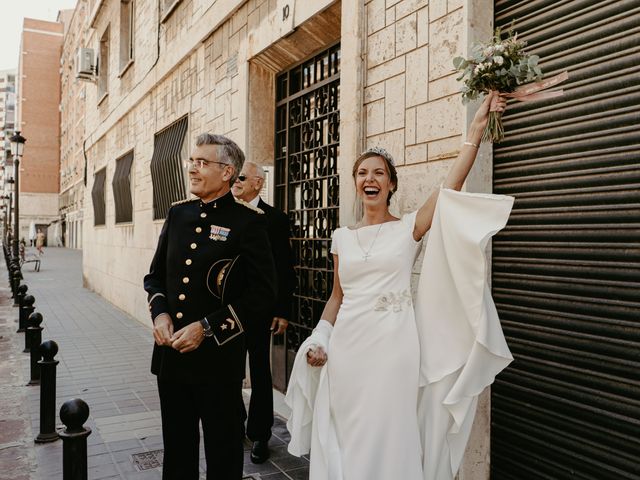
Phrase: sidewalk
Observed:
(104, 359)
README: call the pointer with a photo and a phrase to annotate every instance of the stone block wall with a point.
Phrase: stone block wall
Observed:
(72, 126)
(411, 98)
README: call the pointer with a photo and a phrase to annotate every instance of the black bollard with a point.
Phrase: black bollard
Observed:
(34, 332)
(26, 311)
(48, 432)
(12, 267)
(73, 414)
(17, 276)
(22, 292)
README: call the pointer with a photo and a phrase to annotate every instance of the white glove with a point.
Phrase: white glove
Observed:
(319, 338)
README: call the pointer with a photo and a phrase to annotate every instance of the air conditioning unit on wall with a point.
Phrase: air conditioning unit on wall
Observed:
(85, 64)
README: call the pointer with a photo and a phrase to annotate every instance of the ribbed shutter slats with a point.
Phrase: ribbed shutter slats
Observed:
(566, 269)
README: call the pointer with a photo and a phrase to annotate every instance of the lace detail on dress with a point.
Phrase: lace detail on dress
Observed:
(394, 301)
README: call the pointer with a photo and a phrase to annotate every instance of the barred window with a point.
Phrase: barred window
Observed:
(121, 184)
(97, 195)
(167, 172)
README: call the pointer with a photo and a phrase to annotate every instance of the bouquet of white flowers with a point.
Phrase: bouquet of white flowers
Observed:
(504, 66)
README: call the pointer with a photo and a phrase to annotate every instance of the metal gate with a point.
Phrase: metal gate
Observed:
(306, 187)
(566, 270)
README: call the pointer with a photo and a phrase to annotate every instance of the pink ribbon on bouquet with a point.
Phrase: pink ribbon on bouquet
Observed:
(531, 91)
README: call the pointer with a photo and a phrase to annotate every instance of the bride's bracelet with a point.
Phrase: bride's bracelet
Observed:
(471, 144)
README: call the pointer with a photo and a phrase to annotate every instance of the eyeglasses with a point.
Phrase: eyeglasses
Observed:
(200, 163)
(242, 178)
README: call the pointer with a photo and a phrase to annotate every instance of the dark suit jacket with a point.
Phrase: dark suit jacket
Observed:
(279, 236)
(194, 237)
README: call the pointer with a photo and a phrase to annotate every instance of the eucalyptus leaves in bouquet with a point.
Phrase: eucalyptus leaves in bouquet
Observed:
(500, 65)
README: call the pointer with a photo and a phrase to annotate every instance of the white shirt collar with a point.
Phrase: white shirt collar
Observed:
(255, 201)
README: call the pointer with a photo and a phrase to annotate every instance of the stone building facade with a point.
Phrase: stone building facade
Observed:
(7, 108)
(38, 118)
(7, 126)
(72, 130)
(375, 72)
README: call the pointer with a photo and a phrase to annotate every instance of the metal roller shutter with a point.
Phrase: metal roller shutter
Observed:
(566, 270)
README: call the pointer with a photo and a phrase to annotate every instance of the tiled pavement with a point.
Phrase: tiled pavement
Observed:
(104, 359)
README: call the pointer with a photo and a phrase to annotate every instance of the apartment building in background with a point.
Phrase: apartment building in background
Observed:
(7, 126)
(38, 118)
(7, 108)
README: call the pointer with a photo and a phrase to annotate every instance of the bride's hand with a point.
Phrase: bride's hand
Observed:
(493, 102)
(316, 356)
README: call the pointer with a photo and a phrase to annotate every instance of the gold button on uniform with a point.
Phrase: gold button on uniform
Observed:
(185, 280)
(198, 229)
(193, 246)
(188, 261)
(182, 296)
(203, 215)
(179, 315)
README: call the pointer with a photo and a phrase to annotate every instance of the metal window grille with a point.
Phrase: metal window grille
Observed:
(307, 187)
(97, 195)
(121, 185)
(167, 172)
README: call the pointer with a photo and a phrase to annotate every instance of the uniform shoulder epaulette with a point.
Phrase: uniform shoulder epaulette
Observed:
(186, 200)
(249, 206)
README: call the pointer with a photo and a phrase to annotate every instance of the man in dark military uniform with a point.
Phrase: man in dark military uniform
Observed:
(247, 188)
(211, 279)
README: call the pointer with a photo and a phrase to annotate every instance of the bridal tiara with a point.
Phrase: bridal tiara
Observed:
(383, 153)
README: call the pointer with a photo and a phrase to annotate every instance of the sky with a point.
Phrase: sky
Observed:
(11, 19)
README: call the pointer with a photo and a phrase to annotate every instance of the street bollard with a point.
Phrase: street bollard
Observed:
(26, 311)
(22, 292)
(73, 414)
(17, 276)
(34, 332)
(11, 269)
(48, 432)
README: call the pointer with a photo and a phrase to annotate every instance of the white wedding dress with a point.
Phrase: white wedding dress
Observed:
(397, 397)
(375, 332)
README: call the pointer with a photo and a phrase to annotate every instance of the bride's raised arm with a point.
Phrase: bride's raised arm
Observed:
(462, 165)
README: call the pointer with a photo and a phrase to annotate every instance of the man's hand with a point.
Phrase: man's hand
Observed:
(279, 325)
(316, 356)
(188, 338)
(163, 329)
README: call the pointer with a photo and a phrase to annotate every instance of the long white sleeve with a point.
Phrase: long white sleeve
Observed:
(461, 340)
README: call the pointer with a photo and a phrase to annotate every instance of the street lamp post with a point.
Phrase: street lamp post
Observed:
(17, 147)
(6, 210)
(10, 208)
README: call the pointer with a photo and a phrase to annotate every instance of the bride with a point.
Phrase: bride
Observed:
(359, 414)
